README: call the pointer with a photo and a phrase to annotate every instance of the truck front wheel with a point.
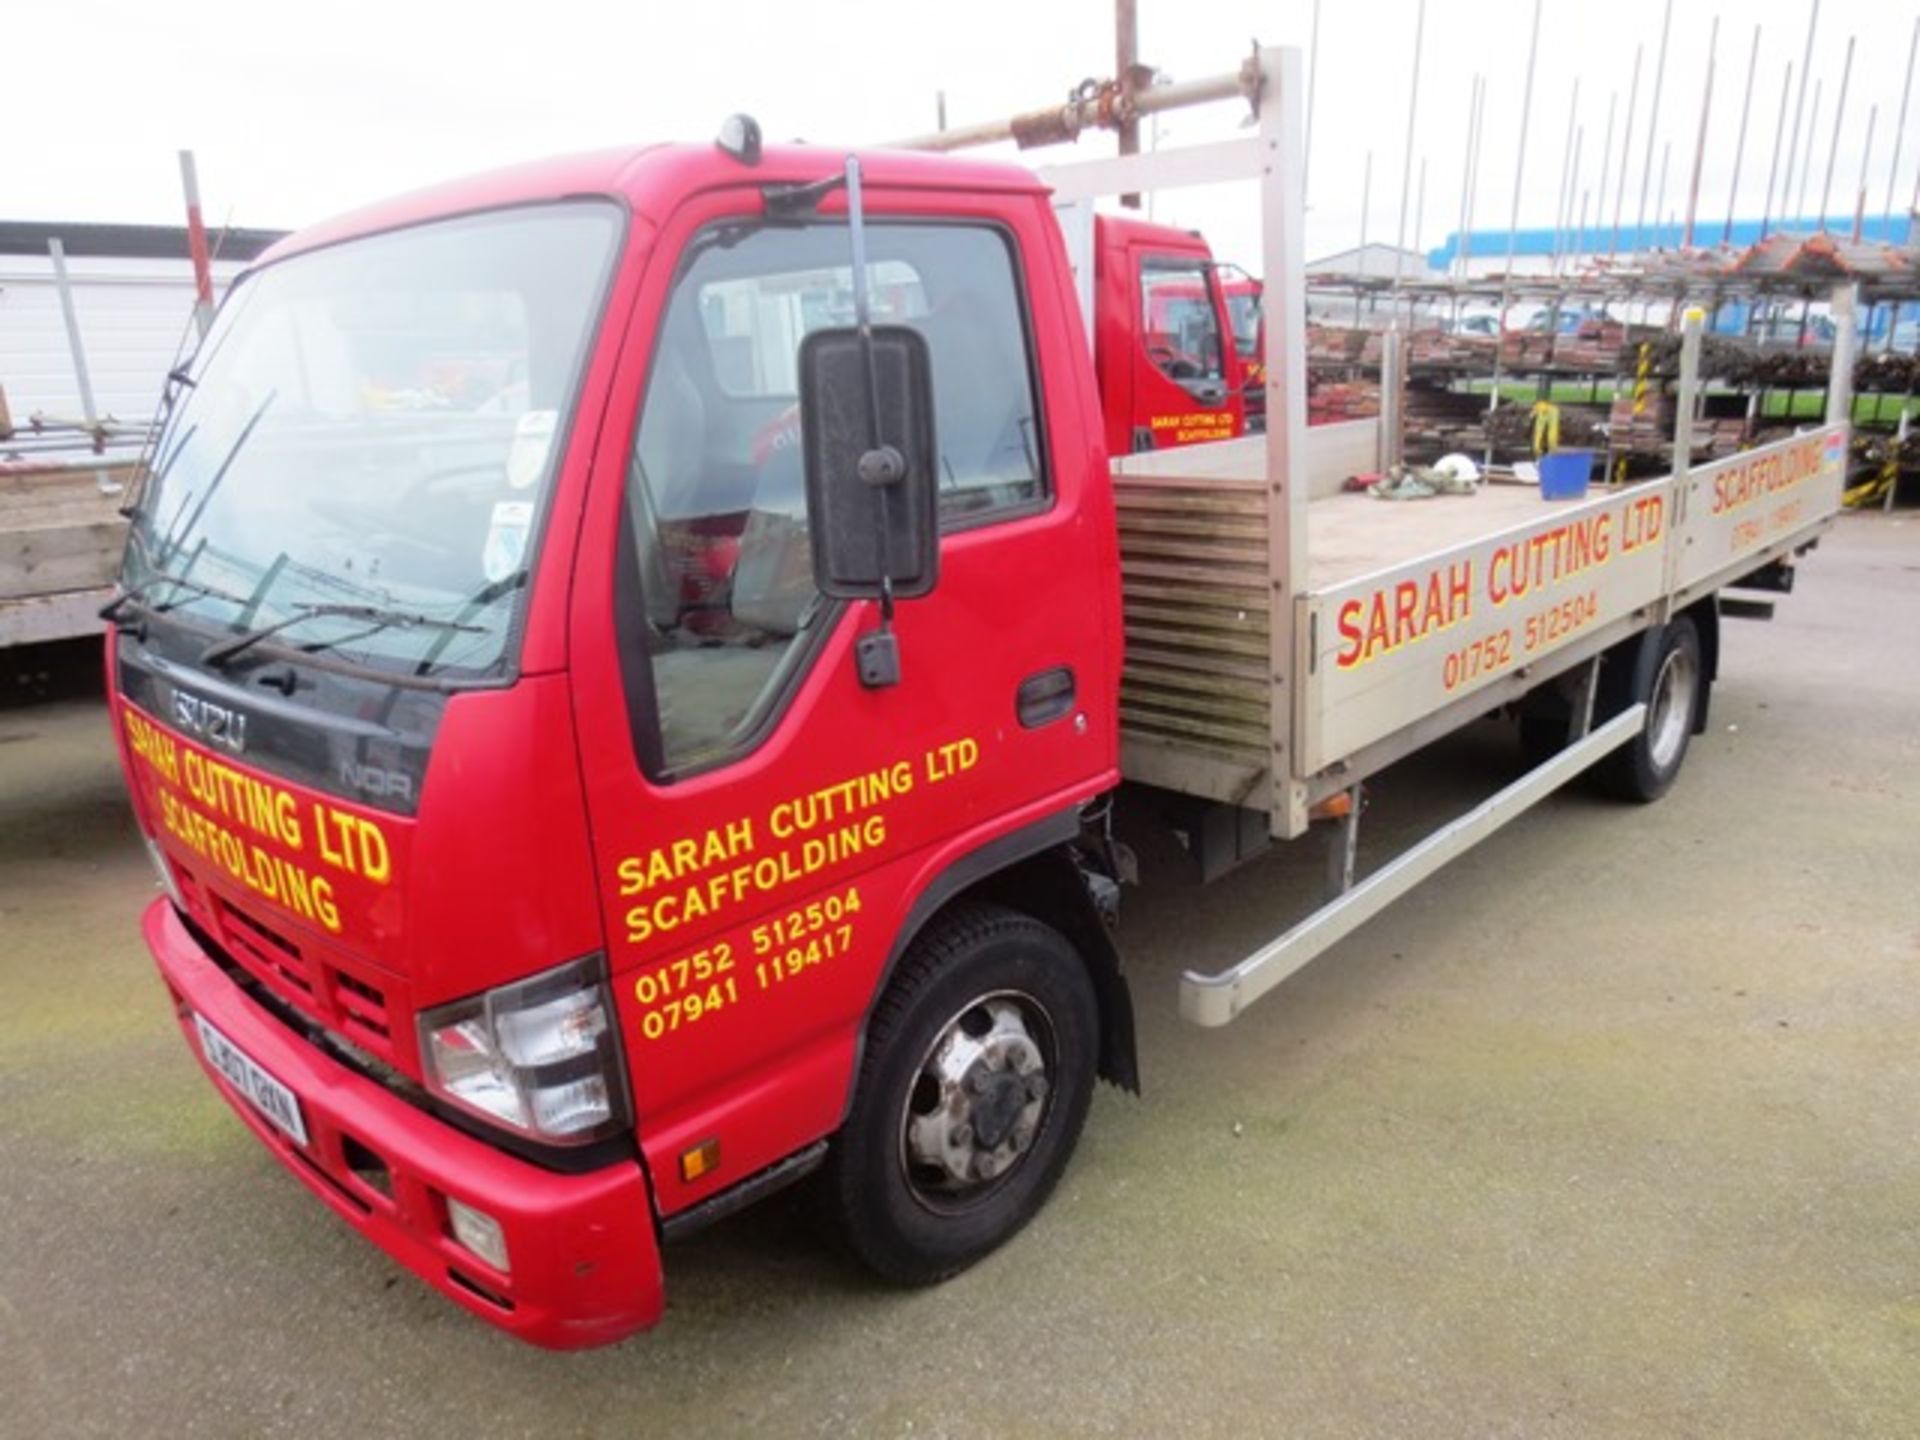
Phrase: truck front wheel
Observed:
(1669, 677)
(978, 1071)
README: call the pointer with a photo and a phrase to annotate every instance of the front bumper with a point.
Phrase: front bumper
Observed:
(585, 1266)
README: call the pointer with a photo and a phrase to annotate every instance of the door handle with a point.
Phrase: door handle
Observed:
(1044, 697)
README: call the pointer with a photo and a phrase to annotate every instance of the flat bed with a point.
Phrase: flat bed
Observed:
(60, 538)
(1412, 617)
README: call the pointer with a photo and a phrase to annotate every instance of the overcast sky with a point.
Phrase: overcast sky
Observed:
(297, 112)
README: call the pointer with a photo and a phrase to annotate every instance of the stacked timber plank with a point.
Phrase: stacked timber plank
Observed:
(1525, 350)
(1331, 401)
(1452, 352)
(1439, 420)
(1594, 347)
(1334, 344)
(60, 539)
(1650, 432)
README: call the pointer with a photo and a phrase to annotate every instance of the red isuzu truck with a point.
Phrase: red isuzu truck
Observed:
(588, 798)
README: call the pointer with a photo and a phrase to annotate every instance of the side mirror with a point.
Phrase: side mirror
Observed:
(873, 510)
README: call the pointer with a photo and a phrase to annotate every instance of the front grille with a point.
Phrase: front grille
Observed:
(352, 1005)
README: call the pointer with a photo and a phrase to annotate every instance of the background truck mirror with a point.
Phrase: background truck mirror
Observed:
(872, 510)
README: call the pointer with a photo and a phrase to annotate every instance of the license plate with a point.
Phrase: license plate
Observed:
(267, 1095)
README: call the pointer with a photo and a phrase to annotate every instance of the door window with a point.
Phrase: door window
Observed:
(1178, 320)
(715, 494)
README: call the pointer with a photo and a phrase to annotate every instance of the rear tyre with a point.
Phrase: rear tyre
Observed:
(1669, 677)
(978, 1072)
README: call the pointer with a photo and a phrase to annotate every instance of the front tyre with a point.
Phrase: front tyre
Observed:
(978, 1071)
(1669, 677)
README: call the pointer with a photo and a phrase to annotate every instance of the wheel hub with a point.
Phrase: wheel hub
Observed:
(1670, 716)
(976, 1104)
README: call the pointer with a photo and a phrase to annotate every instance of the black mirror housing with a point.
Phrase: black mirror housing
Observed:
(873, 510)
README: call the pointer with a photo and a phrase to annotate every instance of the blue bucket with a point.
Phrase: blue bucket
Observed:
(1564, 474)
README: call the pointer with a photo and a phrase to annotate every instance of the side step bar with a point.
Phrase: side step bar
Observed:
(1214, 1000)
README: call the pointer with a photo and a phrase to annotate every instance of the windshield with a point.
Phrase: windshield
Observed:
(361, 451)
(1243, 313)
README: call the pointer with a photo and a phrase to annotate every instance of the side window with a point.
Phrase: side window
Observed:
(1177, 320)
(716, 496)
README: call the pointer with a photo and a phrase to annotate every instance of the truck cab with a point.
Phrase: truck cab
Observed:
(1170, 371)
(543, 873)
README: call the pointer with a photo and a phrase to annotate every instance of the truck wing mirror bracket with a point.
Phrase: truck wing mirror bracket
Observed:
(867, 442)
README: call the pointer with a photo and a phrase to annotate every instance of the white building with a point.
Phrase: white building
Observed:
(1375, 261)
(132, 290)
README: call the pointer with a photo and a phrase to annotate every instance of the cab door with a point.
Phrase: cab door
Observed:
(763, 824)
(1187, 380)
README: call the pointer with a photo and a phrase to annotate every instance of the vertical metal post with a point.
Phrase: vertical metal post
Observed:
(1520, 157)
(1866, 158)
(1513, 223)
(1806, 161)
(1660, 199)
(1284, 305)
(1913, 206)
(1799, 106)
(939, 109)
(1900, 130)
(1653, 123)
(1563, 240)
(1840, 382)
(1606, 152)
(1343, 847)
(58, 253)
(1392, 388)
(197, 245)
(1366, 204)
(1586, 687)
(1740, 145)
(1419, 216)
(1466, 173)
(1406, 160)
(1833, 147)
(1686, 400)
(1126, 56)
(1899, 442)
(1473, 182)
(1626, 149)
(1560, 199)
(1313, 94)
(1779, 129)
(1573, 183)
(1700, 138)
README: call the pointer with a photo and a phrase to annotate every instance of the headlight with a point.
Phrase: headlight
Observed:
(165, 873)
(540, 1056)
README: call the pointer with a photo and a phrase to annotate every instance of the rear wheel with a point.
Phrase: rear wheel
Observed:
(1670, 679)
(977, 1076)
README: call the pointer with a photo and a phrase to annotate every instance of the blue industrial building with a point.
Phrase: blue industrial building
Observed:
(1533, 249)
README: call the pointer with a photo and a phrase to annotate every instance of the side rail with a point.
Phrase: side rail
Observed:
(1736, 514)
(1387, 651)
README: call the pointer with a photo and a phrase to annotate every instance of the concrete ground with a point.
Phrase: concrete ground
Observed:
(1612, 1130)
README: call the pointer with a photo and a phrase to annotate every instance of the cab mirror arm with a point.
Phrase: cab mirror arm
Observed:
(866, 420)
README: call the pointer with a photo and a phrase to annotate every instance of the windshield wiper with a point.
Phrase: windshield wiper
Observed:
(136, 598)
(177, 536)
(375, 616)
